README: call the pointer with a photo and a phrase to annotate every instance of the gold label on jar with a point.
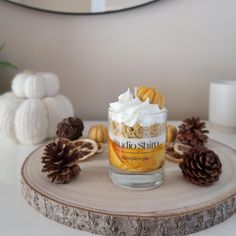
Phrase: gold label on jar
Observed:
(146, 154)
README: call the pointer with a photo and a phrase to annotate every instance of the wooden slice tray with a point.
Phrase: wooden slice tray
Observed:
(92, 203)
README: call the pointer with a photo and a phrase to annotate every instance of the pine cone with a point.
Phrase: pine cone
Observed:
(60, 161)
(201, 166)
(70, 128)
(192, 132)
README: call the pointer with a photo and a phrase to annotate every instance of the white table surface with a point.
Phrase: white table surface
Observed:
(18, 218)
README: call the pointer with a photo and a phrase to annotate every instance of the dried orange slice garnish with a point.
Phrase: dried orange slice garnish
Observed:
(171, 155)
(100, 148)
(85, 148)
(181, 149)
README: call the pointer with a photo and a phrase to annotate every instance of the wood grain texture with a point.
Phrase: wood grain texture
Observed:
(92, 203)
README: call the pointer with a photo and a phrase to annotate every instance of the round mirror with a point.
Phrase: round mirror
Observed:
(81, 6)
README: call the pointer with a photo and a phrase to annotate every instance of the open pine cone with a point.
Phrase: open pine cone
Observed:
(70, 128)
(60, 161)
(201, 166)
(192, 132)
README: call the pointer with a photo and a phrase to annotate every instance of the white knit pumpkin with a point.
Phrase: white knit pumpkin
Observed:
(9, 104)
(32, 111)
(32, 120)
(32, 84)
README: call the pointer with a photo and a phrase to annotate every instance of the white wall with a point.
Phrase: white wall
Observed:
(177, 45)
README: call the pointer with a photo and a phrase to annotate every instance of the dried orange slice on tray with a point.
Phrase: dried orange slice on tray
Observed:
(171, 155)
(85, 147)
(100, 148)
(175, 152)
(180, 148)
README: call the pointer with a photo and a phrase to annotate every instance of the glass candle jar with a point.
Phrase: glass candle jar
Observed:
(137, 149)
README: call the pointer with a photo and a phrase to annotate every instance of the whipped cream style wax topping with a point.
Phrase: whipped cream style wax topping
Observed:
(128, 109)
